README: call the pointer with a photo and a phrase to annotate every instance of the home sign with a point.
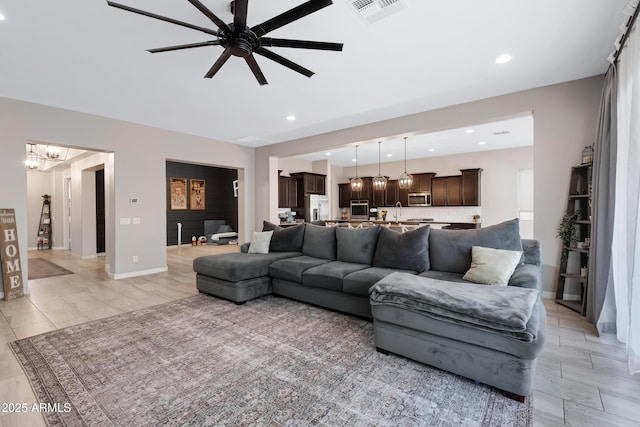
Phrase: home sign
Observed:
(10, 255)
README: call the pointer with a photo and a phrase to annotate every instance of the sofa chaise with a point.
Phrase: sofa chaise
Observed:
(390, 277)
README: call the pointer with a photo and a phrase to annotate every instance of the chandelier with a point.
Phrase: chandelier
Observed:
(39, 154)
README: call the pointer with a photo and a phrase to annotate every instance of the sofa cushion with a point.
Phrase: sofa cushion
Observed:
(405, 251)
(357, 245)
(320, 242)
(450, 250)
(292, 268)
(359, 282)
(237, 266)
(287, 239)
(330, 275)
(492, 266)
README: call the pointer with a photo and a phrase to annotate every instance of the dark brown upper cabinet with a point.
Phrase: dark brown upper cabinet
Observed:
(471, 187)
(312, 183)
(287, 192)
(421, 182)
(344, 195)
(457, 190)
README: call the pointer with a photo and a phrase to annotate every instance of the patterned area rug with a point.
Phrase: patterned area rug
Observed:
(202, 361)
(40, 268)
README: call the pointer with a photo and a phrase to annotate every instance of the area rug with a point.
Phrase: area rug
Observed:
(40, 268)
(202, 361)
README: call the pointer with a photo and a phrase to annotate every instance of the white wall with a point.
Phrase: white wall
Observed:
(565, 118)
(499, 185)
(289, 165)
(140, 154)
(38, 183)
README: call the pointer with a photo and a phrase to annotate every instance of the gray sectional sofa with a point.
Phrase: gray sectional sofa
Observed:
(391, 277)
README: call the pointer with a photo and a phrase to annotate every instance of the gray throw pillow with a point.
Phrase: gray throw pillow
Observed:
(269, 226)
(319, 242)
(287, 239)
(450, 250)
(357, 245)
(404, 251)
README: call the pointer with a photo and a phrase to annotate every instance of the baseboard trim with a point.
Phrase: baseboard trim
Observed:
(138, 273)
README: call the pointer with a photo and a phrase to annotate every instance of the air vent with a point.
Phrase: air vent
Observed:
(374, 10)
(502, 132)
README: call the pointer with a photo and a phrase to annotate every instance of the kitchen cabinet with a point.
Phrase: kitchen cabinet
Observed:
(457, 190)
(421, 182)
(365, 193)
(454, 190)
(344, 195)
(394, 194)
(311, 183)
(446, 191)
(287, 192)
(471, 187)
(378, 197)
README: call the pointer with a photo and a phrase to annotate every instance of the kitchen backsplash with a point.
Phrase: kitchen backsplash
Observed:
(439, 214)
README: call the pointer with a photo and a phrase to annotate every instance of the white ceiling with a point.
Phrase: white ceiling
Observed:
(511, 133)
(86, 56)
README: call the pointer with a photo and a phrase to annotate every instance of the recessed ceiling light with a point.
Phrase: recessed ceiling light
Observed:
(469, 131)
(503, 59)
(1, 17)
(354, 160)
(432, 149)
(482, 143)
(389, 155)
(291, 118)
(327, 154)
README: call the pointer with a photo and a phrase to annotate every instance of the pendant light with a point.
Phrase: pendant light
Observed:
(406, 179)
(356, 182)
(32, 158)
(379, 182)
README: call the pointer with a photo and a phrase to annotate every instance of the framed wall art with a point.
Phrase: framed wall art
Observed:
(178, 193)
(197, 194)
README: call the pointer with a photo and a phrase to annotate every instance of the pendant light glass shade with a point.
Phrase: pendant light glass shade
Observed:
(32, 159)
(356, 182)
(406, 179)
(379, 182)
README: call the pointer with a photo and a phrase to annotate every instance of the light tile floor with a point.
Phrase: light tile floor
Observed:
(581, 378)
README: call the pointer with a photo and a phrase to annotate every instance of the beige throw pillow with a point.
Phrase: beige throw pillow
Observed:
(492, 266)
(260, 242)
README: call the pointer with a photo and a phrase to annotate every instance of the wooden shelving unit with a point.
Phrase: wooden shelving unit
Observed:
(44, 229)
(574, 258)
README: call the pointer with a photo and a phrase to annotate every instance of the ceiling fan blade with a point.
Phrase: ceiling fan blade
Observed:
(162, 18)
(218, 64)
(289, 16)
(301, 44)
(284, 61)
(240, 12)
(255, 68)
(184, 46)
(209, 14)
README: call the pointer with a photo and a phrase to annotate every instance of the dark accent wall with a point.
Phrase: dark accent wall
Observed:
(219, 200)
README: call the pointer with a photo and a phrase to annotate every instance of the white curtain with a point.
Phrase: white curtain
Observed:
(626, 228)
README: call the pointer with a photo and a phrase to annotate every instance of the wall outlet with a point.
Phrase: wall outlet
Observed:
(135, 258)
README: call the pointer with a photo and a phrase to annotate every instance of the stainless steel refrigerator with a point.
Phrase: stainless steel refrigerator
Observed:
(316, 208)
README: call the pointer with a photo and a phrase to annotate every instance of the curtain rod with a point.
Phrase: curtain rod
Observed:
(625, 35)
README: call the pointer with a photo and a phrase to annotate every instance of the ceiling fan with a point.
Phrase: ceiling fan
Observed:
(238, 39)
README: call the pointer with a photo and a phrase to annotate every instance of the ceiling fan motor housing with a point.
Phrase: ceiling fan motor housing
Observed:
(241, 41)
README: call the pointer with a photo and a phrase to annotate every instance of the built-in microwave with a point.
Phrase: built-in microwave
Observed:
(360, 209)
(420, 199)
